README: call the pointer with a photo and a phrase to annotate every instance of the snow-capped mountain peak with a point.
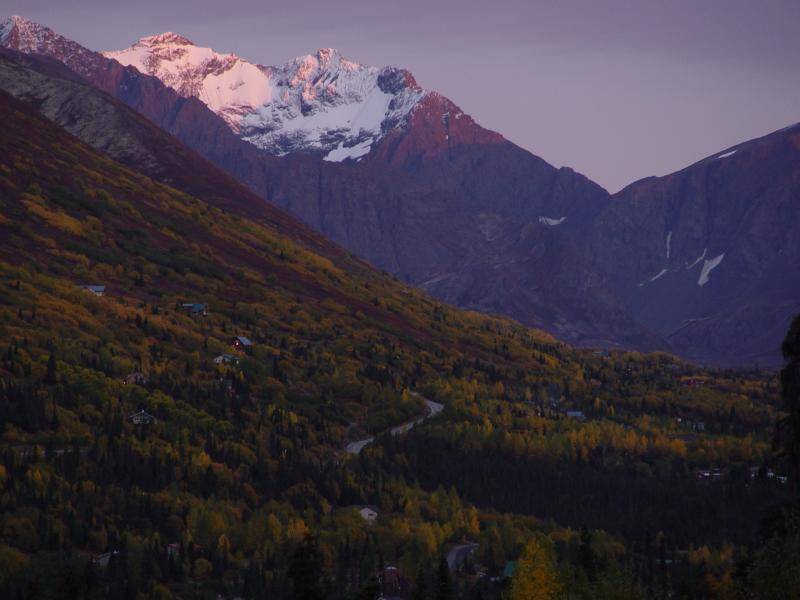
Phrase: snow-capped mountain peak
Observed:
(24, 35)
(321, 103)
(168, 37)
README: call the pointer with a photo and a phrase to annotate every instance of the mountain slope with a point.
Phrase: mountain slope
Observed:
(113, 128)
(143, 453)
(439, 201)
(708, 256)
(446, 205)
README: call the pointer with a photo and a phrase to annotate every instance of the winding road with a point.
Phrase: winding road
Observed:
(434, 408)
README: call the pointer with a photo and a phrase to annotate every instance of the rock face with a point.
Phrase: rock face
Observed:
(709, 257)
(702, 262)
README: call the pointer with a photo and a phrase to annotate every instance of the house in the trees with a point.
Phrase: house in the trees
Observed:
(97, 290)
(226, 359)
(141, 418)
(576, 414)
(195, 308)
(241, 343)
(368, 513)
(509, 569)
(393, 583)
(136, 378)
(698, 426)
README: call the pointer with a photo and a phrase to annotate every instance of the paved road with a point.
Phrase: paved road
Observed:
(458, 554)
(433, 408)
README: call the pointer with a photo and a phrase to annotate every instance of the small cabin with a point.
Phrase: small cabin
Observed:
(97, 290)
(697, 426)
(141, 418)
(576, 414)
(195, 308)
(509, 569)
(368, 513)
(226, 359)
(241, 343)
(136, 378)
(393, 582)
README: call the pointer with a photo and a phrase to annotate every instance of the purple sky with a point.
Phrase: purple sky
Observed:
(616, 89)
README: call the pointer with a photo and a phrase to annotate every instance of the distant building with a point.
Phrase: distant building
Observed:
(694, 382)
(102, 560)
(195, 308)
(141, 418)
(393, 583)
(698, 426)
(241, 343)
(706, 474)
(368, 513)
(97, 290)
(225, 359)
(576, 414)
(136, 378)
(510, 568)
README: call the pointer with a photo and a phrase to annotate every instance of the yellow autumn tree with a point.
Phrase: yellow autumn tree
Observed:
(535, 577)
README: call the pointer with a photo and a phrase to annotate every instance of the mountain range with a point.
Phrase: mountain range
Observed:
(703, 262)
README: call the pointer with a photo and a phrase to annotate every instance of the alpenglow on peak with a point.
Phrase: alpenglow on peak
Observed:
(320, 103)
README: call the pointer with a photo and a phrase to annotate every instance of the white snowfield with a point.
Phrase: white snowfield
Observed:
(727, 154)
(708, 266)
(550, 221)
(319, 103)
(699, 258)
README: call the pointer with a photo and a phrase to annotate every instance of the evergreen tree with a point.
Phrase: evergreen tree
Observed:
(787, 438)
(305, 571)
(50, 376)
(420, 590)
(444, 582)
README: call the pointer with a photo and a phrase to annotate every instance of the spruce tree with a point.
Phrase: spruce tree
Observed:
(444, 582)
(787, 439)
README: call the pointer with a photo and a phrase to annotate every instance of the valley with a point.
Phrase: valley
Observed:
(310, 332)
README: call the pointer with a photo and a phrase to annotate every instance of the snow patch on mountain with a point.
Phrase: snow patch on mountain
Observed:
(669, 239)
(551, 221)
(321, 103)
(699, 258)
(708, 266)
(659, 274)
(727, 154)
(655, 277)
(353, 152)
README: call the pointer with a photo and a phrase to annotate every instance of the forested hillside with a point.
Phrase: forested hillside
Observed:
(145, 451)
